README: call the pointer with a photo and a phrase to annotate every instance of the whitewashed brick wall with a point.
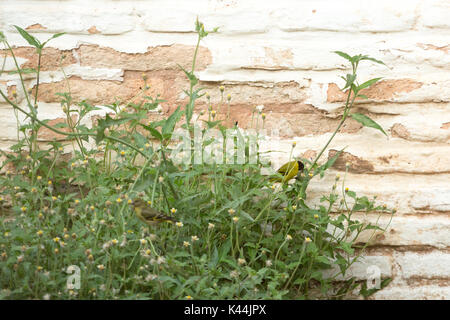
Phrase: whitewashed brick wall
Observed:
(279, 54)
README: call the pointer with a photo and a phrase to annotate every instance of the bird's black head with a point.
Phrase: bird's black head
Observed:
(138, 203)
(301, 166)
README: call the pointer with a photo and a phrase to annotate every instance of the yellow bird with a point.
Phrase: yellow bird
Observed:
(148, 214)
(289, 170)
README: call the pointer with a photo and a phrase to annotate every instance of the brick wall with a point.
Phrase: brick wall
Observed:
(278, 54)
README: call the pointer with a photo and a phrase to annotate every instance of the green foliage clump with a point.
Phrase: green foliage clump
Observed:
(68, 230)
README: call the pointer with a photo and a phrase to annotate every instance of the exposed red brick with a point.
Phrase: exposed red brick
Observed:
(36, 26)
(273, 59)
(166, 83)
(382, 90)
(93, 30)
(286, 94)
(356, 164)
(386, 159)
(156, 58)
(287, 124)
(399, 130)
(309, 154)
(45, 134)
(51, 58)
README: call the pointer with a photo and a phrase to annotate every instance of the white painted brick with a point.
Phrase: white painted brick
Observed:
(410, 230)
(435, 198)
(394, 155)
(256, 16)
(10, 65)
(429, 265)
(406, 192)
(424, 123)
(435, 14)
(3, 88)
(230, 20)
(364, 268)
(9, 123)
(86, 73)
(411, 58)
(413, 293)
(425, 51)
(429, 92)
(71, 17)
(365, 16)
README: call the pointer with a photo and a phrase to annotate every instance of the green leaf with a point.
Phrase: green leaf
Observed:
(372, 59)
(246, 215)
(154, 132)
(373, 227)
(169, 126)
(56, 35)
(368, 83)
(2, 36)
(365, 292)
(192, 78)
(224, 250)
(60, 125)
(324, 260)
(214, 258)
(24, 71)
(212, 124)
(367, 122)
(347, 247)
(349, 80)
(344, 55)
(330, 161)
(30, 39)
(351, 194)
(363, 96)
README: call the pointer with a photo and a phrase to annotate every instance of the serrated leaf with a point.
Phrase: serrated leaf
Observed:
(246, 215)
(351, 194)
(347, 247)
(212, 124)
(349, 80)
(373, 227)
(154, 132)
(372, 59)
(30, 39)
(343, 55)
(367, 122)
(214, 258)
(224, 250)
(188, 74)
(368, 83)
(169, 125)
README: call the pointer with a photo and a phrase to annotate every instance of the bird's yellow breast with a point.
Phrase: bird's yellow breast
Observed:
(139, 213)
(289, 170)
